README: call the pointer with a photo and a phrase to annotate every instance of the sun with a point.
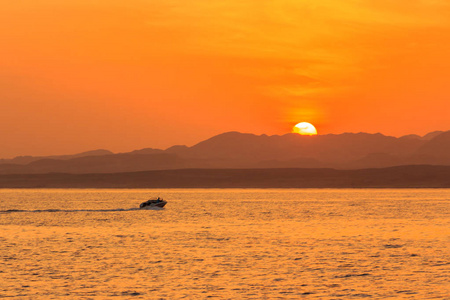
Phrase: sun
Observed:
(304, 128)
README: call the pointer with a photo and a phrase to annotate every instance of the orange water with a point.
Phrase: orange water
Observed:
(225, 244)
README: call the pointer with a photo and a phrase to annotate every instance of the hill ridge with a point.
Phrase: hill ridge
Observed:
(246, 150)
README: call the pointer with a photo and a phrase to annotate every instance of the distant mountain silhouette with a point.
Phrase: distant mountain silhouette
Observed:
(28, 159)
(428, 136)
(146, 151)
(331, 149)
(432, 135)
(244, 150)
(436, 150)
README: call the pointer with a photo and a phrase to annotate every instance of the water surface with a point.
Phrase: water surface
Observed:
(225, 244)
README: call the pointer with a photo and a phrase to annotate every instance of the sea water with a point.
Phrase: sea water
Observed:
(225, 244)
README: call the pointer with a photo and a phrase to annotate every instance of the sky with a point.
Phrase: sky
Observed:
(124, 75)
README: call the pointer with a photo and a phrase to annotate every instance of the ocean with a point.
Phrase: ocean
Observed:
(225, 244)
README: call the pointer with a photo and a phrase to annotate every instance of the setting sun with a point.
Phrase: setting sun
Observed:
(304, 128)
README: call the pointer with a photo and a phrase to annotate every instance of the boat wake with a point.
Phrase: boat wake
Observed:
(8, 211)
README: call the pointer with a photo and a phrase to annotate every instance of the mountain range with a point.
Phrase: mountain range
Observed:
(234, 150)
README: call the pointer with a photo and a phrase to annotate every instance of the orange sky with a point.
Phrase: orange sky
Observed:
(122, 75)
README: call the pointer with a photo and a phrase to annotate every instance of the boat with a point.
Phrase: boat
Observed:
(151, 203)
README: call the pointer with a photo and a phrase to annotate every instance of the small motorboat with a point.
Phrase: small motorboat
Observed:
(159, 202)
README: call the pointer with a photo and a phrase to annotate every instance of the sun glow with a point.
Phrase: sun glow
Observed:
(304, 128)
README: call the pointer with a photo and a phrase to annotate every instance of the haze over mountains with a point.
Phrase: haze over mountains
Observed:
(246, 151)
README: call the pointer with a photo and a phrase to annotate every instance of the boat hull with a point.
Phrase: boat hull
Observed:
(146, 205)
